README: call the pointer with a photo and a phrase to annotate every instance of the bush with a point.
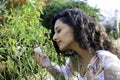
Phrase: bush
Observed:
(54, 7)
(18, 36)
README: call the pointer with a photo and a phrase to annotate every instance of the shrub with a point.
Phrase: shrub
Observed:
(18, 36)
(54, 7)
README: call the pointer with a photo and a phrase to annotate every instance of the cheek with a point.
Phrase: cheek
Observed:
(70, 36)
(66, 44)
(69, 39)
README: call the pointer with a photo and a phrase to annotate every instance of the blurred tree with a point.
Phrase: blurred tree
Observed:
(18, 37)
(54, 7)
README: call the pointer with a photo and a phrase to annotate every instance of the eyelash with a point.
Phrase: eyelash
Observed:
(58, 31)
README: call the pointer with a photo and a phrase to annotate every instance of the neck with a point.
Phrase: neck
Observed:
(84, 60)
(85, 57)
(84, 54)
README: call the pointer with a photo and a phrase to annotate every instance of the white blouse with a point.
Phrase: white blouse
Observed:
(111, 65)
(108, 61)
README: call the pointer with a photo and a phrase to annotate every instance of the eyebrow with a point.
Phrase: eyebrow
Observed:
(57, 27)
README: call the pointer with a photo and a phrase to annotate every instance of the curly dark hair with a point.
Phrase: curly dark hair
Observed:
(87, 32)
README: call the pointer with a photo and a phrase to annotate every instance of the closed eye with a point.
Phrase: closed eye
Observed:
(58, 31)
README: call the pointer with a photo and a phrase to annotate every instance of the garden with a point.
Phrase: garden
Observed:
(25, 25)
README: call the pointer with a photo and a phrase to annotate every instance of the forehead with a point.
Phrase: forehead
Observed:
(58, 23)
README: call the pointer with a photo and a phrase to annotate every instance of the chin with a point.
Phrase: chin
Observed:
(62, 49)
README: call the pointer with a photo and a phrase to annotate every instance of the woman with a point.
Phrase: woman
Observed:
(92, 55)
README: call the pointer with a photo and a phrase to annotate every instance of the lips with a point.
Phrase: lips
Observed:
(58, 42)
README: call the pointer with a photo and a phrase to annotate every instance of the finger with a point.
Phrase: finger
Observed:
(37, 58)
(90, 74)
(35, 54)
(99, 71)
(90, 71)
(91, 65)
(95, 60)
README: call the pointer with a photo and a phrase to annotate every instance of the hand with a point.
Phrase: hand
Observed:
(91, 73)
(43, 60)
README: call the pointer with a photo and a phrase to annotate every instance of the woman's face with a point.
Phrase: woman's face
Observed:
(63, 35)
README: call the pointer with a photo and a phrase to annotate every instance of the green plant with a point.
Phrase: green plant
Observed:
(21, 33)
(55, 6)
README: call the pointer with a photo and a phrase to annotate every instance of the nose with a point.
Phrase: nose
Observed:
(54, 37)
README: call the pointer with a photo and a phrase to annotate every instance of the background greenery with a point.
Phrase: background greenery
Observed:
(55, 6)
(24, 25)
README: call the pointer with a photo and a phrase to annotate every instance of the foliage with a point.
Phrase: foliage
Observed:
(20, 34)
(115, 35)
(54, 7)
(111, 30)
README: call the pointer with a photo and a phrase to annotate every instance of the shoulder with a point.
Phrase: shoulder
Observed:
(104, 53)
(107, 58)
(110, 63)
